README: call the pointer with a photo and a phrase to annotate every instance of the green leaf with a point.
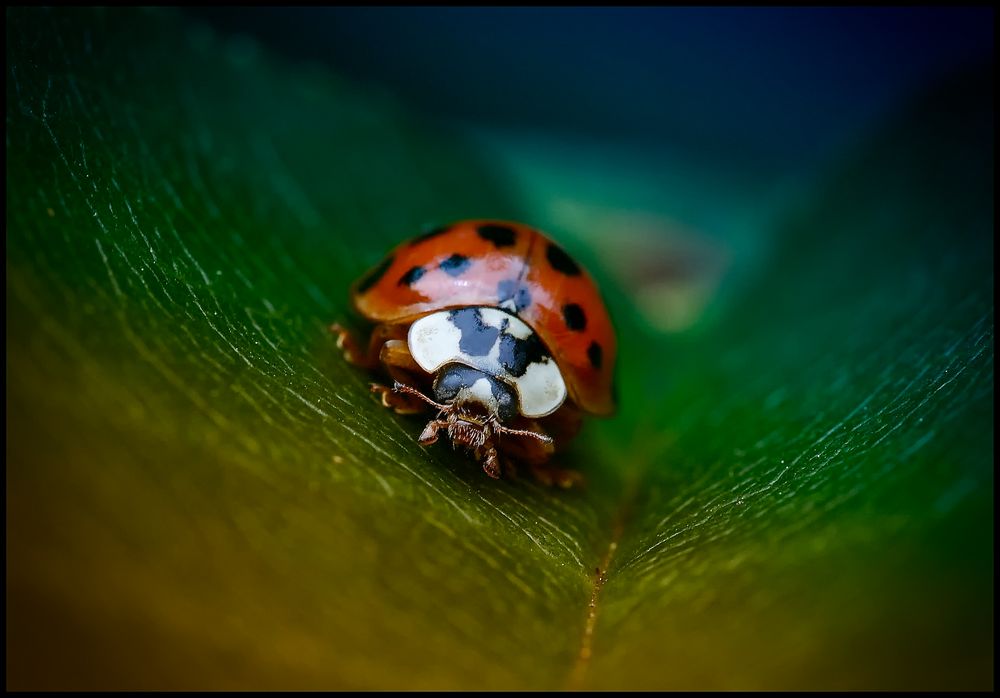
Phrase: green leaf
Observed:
(202, 494)
(820, 512)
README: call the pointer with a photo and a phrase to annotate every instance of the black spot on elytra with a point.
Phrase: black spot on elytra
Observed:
(477, 337)
(517, 354)
(432, 233)
(411, 277)
(375, 274)
(595, 354)
(575, 318)
(455, 265)
(561, 261)
(514, 290)
(499, 235)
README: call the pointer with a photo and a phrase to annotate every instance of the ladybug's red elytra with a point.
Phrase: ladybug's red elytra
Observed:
(494, 326)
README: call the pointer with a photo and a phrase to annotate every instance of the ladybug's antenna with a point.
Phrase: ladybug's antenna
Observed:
(402, 388)
(524, 432)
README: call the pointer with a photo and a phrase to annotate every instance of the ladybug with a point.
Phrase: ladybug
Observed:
(496, 328)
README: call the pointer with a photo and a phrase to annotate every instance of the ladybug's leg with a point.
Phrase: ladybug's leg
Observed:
(535, 454)
(395, 357)
(385, 346)
(400, 404)
(491, 463)
(550, 475)
(348, 343)
(356, 353)
(430, 433)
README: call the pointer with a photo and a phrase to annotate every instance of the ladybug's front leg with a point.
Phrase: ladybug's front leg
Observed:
(491, 463)
(430, 433)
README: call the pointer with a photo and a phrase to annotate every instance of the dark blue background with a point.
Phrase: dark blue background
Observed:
(789, 85)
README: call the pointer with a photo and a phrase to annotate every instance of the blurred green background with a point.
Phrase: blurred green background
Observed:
(789, 213)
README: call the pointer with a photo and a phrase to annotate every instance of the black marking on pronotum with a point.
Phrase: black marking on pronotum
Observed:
(477, 337)
(455, 265)
(517, 354)
(412, 276)
(499, 235)
(574, 316)
(595, 354)
(432, 233)
(375, 274)
(561, 261)
(516, 291)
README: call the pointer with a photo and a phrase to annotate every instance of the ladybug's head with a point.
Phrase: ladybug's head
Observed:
(475, 394)
(474, 407)
(478, 404)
